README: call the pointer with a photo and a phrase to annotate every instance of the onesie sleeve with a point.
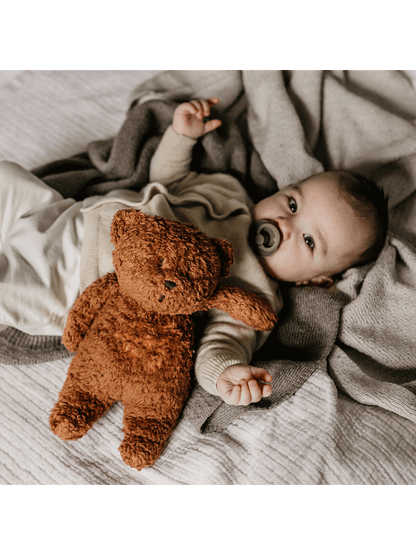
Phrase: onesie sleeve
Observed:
(225, 342)
(172, 160)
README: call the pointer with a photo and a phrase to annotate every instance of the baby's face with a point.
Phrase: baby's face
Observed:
(321, 234)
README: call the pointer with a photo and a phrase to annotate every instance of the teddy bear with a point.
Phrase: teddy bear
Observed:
(133, 331)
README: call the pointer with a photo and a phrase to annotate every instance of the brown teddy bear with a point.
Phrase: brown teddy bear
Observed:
(132, 331)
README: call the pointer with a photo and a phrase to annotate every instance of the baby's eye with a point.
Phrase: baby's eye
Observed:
(309, 241)
(293, 205)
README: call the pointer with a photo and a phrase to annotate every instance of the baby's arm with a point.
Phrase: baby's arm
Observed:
(222, 361)
(172, 159)
(239, 383)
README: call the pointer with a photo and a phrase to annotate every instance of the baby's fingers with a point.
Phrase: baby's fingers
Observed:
(240, 395)
(255, 391)
(213, 100)
(210, 102)
(234, 397)
(267, 390)
(211, 125)
(263, 379)
(203, 107)
(261, 374)
(245, 398)
(206, 105)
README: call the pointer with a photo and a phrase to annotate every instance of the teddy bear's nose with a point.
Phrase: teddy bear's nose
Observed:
(170, 284)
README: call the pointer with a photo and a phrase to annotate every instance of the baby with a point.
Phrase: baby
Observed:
(54, 247)
(328, 223)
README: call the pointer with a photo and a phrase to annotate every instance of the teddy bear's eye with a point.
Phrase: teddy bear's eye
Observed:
(161, 260)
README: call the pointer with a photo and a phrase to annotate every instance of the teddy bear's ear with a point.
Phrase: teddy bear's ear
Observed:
(123, 220)
(226, 254)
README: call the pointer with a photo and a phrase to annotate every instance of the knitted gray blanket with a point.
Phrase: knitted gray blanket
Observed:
(280, 127)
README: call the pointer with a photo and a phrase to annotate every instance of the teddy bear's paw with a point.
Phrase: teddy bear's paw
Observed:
(68, 423)
(139, 452)
(72, 421)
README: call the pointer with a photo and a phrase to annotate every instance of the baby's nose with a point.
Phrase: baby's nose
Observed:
(285, 227)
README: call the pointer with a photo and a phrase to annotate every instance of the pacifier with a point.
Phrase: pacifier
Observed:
(264, 238)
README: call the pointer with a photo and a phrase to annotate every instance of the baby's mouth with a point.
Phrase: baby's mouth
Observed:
(264, 237)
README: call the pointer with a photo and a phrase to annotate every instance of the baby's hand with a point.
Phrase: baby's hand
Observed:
(241, 384)
(188, 118)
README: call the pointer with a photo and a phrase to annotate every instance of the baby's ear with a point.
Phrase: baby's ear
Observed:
(123, 220)
(226, 254)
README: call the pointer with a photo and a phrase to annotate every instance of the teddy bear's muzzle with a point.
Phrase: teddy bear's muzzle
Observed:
(169, 285)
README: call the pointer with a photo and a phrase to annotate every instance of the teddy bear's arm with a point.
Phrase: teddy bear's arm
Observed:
(243, 305)
(86, 308)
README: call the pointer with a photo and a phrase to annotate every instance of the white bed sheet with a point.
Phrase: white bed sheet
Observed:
(317, 437)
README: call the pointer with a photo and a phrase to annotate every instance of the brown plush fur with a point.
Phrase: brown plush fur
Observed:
(132, 331)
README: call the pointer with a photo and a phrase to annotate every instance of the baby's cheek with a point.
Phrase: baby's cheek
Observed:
(270, 267)
(288, 266)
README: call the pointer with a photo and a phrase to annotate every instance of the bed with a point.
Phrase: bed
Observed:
(346, 415)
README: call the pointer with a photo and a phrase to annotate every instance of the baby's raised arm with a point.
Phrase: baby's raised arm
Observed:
(172, 160)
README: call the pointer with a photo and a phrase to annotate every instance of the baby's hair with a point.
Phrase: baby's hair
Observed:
(370, 203)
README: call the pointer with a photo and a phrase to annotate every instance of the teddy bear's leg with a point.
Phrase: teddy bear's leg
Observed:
(76, 411)
(144, 438)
